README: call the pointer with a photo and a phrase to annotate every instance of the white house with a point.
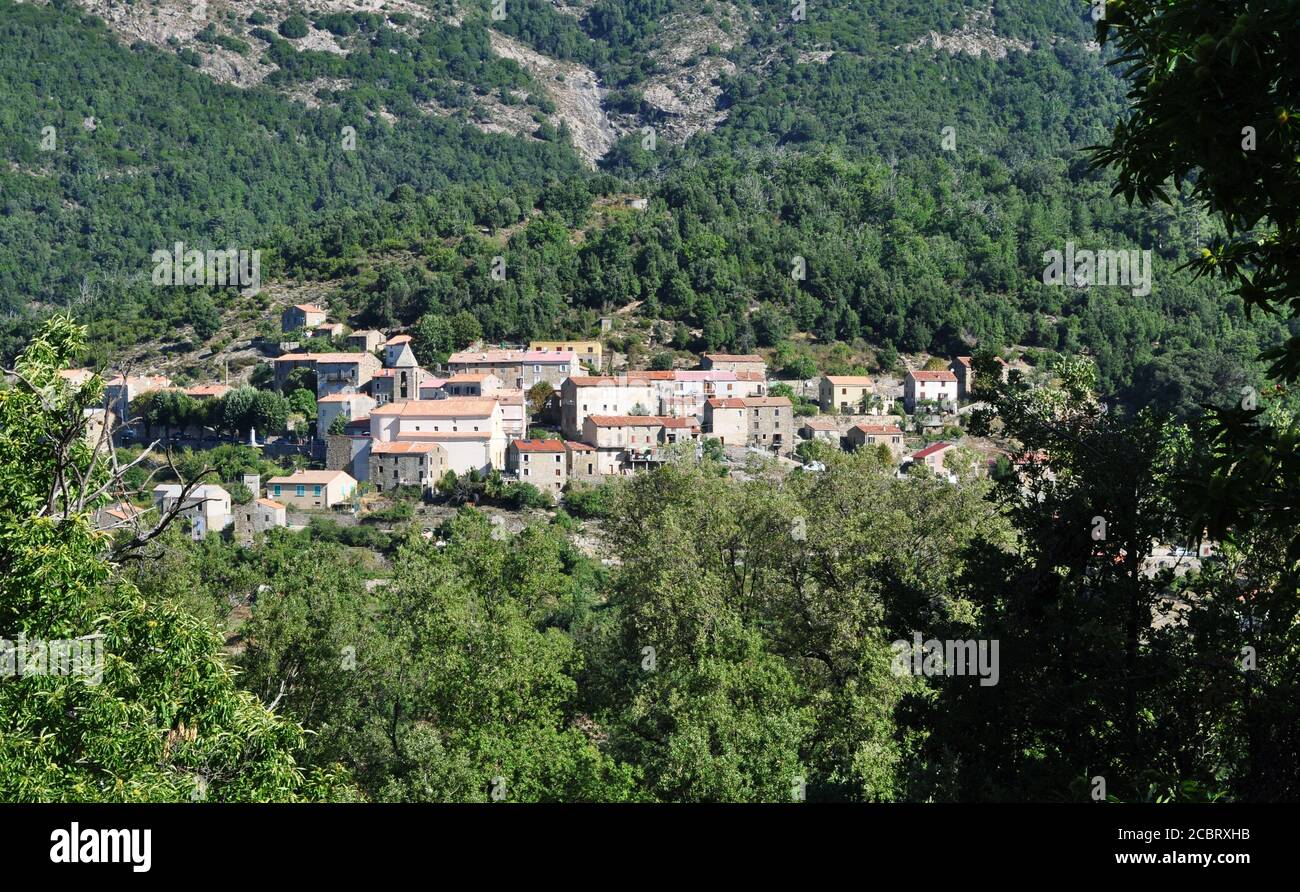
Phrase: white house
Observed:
(585, 395)
(470, 429)
(206, 507)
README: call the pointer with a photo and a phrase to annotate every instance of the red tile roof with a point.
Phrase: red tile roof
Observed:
(456, 407)
(203, 390)
(821, 424)
(403, 447)
(931, 450)
(538, 445)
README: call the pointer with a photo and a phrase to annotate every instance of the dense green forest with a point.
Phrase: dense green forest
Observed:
(175, 156)
(909, 244)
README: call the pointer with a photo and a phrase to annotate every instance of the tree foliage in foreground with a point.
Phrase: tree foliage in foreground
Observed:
(1214, 89)
(166, 722)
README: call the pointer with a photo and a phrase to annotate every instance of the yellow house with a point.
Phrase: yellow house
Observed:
(312, 489)
(589, 352)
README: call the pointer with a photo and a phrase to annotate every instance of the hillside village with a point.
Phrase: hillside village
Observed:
(364, 424)
(368, 435)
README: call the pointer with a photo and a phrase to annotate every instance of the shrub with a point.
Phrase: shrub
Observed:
(524, 495)
(588, 502)
(294, 27)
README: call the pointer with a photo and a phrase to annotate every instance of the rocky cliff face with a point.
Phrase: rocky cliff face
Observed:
(689, 55)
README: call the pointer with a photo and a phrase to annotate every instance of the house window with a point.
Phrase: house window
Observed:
(300, 490)
(277, 489)
(315, 490)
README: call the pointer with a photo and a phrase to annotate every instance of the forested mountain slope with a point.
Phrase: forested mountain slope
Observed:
(759, 139)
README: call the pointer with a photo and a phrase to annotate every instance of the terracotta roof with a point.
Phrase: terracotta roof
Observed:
(765, 402)
(270, 503)
(575, 446)
(341, 397)
(208, 390)
(403, 447)
(308, 308)
(123, 511)
(397, 339)
(821, 424)
(933, 376)
(850, 380)
(931, 450)
(878, 428)
(726, 402)
(671, 421)
(456, 407)
(538, 445)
